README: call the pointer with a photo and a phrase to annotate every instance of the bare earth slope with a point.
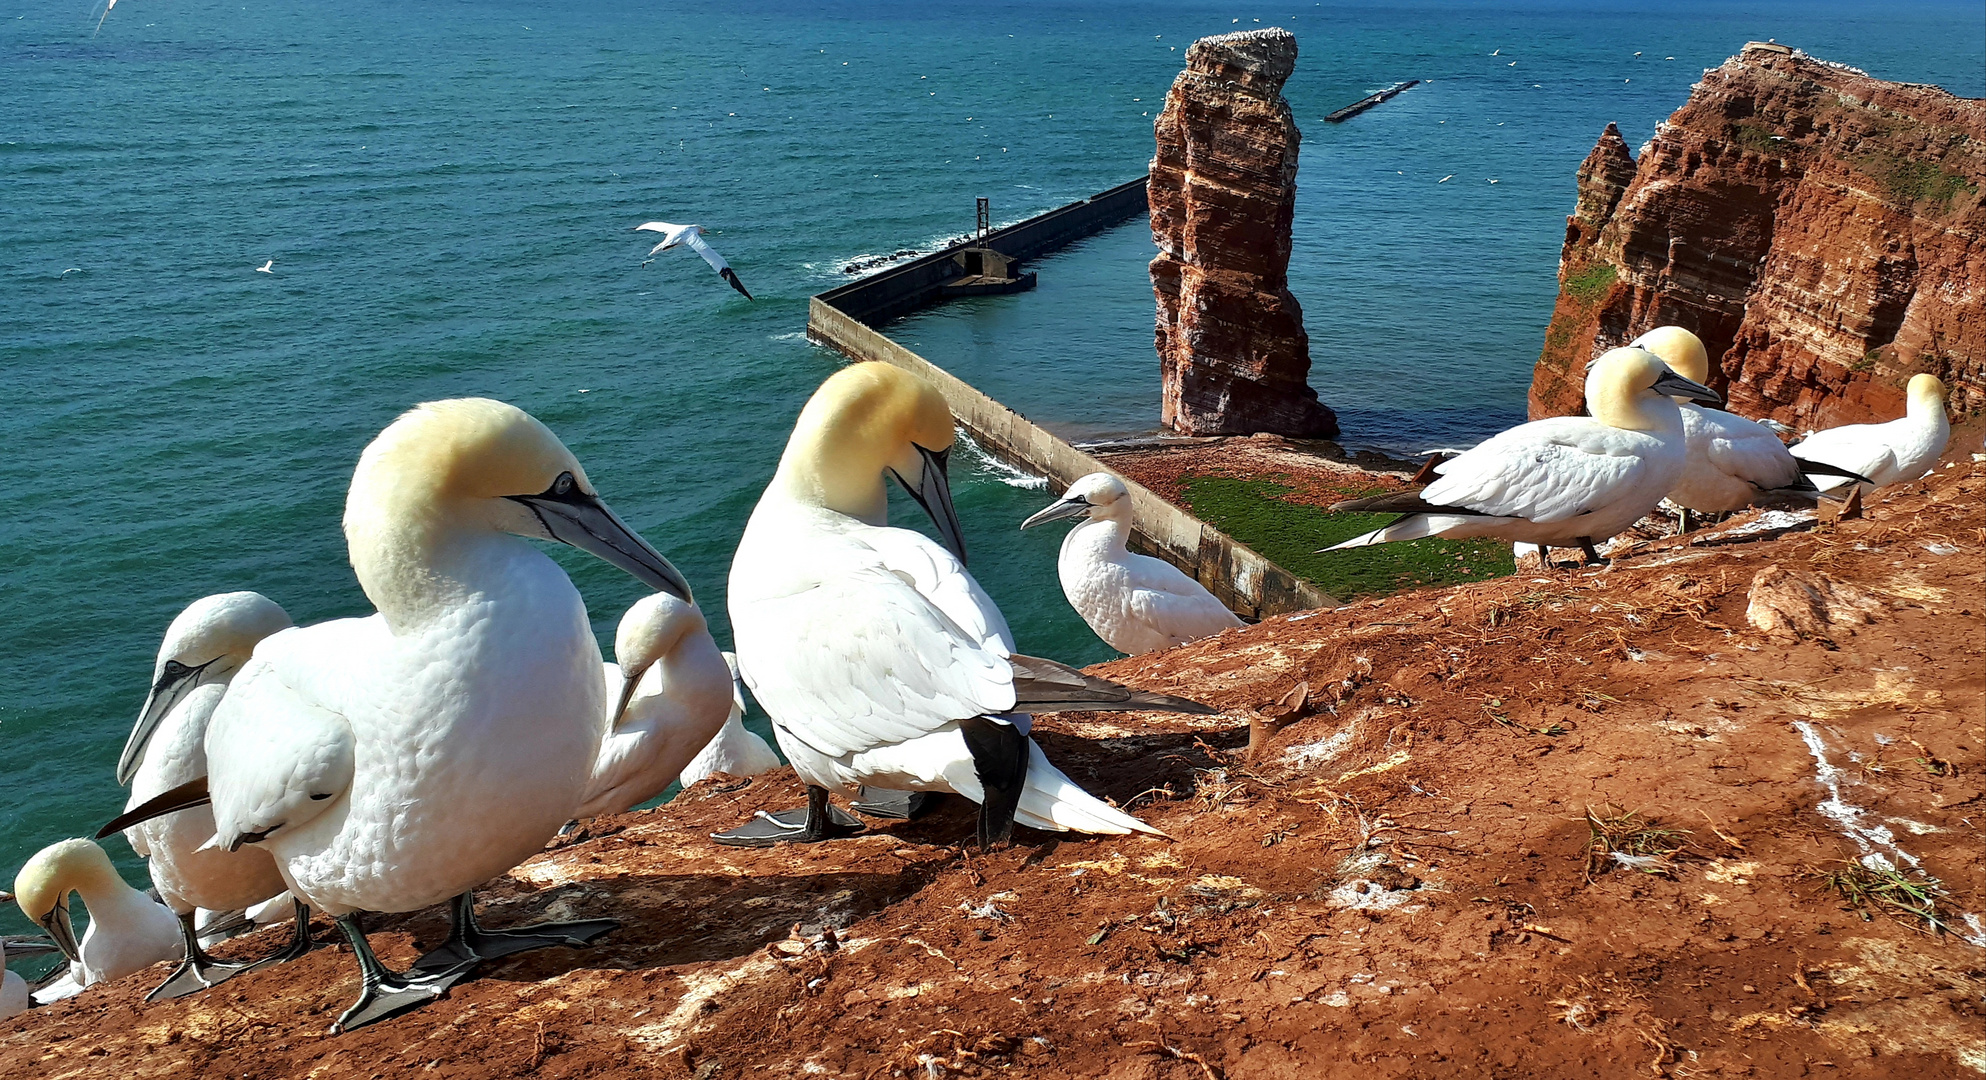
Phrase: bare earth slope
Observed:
(1399, 885)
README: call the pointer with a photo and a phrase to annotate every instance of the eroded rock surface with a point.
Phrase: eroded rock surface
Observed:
(1818, 228)
(1230, 338)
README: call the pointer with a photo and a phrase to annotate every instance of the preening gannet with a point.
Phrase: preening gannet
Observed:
(1565, 481)
(1135, 603)
(672, 691)
(691, 236)
(1897, 452)
(395, 761)
(879, 658)
(204, 647)
(128, 930)
(735, 751)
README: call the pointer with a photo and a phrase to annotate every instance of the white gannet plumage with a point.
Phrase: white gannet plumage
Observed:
(1565, 481)
(877, 655)
(671, 692)
(691, 236)
(1896, 452)
(1135, 603)
(128, 931)
(734, 750)
(391, 762)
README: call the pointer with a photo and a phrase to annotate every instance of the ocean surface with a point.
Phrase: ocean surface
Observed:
(447, 191)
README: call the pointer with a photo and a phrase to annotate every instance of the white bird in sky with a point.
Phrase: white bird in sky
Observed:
(1135, 603)
(128, 930)
(1564, 481)
(396, 761)
(267, 267)
(1897, 452)
(671, 691)
(204, 647)
(691, 236)
(735, 751)
(879, 658)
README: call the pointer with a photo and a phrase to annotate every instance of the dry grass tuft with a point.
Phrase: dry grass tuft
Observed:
(1620, 837)
(1910, 897)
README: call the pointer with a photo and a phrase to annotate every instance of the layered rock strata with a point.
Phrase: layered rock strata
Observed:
(1230, 338)
(1819, 229)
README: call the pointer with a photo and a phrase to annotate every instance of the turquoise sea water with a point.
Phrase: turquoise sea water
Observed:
(447, 192)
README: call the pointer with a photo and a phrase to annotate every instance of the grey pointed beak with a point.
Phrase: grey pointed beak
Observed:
(629, 680)
(1674, 385)
(19, 945)
(574, 517)
(933, 492)
(1067, 508)
(62, 931)
(172, 686)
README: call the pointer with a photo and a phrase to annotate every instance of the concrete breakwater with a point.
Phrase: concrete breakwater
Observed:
(1248, 583)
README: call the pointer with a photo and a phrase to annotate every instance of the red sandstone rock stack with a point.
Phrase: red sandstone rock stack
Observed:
(1821, 230)
(1230, 336)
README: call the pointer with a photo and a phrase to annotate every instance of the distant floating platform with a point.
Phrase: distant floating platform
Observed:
(1368, 102)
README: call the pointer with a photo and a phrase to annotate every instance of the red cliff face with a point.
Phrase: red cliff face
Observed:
(1822, 232)
(1223, 191)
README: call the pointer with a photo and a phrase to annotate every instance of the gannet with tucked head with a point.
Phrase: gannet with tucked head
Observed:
(879, 658)
(204, 647)
(672, 691)
(128, 930)
(395, 761)
(1897, 452)
(735, 750)
(1135, 603)
(1565, 481)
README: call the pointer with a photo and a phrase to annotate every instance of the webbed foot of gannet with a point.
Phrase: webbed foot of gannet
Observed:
(894, 805)
(300, 942)
(197, 971)
(1592, 553)
(817, 821)
(384, 994)
(469, 943)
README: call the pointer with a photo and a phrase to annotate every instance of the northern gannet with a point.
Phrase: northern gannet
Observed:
(1897, 452)
(267, 267)
(735, 751)
(879, 658)
(1135, 603)
(396, 761)
(1565, 481)
(691, 236)
(672, 691)
(14, 993)
(204, 647)
(128, 930)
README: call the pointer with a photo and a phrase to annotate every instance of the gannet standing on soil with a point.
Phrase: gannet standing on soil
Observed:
(1897, 452)
(399, 760)
(672, 692)
(880, 659)
(1565, 481)
(128, 930)
(204, 647)
(14, 993)
(735, 751)
(691, 236)
(1135, 603)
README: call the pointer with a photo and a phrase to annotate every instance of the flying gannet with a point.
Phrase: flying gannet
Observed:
(204, 647)
(396, 761)
(879, 658)
(691, 236)
(128, 930)
(1896, 452)
(1564, 481)
(672, 692)
(735, 751)
(1135, 603)
(267, 267)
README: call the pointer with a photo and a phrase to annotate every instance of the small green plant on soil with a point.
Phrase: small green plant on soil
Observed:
(1291, 535)
(1589, 285)
(1914, 898)
(1620, 837)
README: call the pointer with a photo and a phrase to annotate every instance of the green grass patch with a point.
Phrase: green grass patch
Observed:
(1915, 183)
(1290, 534)
(1590, 285)
(1755, 136)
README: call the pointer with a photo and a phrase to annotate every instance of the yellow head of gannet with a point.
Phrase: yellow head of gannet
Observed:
(1629, 387)
(1679, 349)
(1925, 397)
(43, 886)
(866, 420)
(206, 643)
(650, 630)
(447, 472)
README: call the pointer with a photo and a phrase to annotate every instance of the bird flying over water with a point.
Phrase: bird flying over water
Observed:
(267, 267)
(692, 237)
